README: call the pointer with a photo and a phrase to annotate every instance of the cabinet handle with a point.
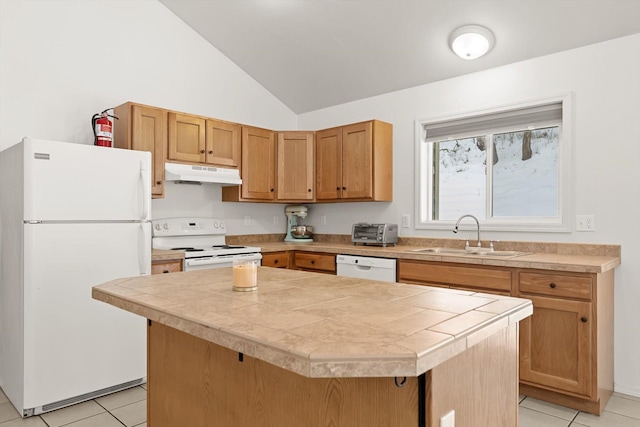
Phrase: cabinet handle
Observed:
(344, 188)
(583, 319)
(165, 271)
(211, 152)
(158, 182)
(313, 262)
(272, 190)
(552, 285)
(338, 188)
(309, 190)
(275, 261)
(202, 151)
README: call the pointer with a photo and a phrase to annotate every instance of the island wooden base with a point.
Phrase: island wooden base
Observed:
(195, 383)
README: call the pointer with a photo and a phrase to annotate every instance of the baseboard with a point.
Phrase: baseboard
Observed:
(629, 390)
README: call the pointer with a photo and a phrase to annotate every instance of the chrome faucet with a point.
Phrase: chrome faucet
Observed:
(455, 229)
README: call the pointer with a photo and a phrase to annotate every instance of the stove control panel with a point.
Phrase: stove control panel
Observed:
(187, 227)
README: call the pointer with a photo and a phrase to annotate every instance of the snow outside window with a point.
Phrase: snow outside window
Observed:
(507, 167)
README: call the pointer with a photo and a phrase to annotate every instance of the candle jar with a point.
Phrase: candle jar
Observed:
(245, 275)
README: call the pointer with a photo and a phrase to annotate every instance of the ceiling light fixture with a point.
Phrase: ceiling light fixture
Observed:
(471, 41)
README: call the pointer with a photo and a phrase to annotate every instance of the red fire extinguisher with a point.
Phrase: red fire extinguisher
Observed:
(103, 128)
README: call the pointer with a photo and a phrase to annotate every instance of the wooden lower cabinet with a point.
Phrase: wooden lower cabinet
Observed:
(314, 261)
(276, 259)
(566, 347)
(457, 276)
(172, 266)
(196, 383)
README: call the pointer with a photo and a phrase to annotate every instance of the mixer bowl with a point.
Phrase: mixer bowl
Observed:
(301, 231)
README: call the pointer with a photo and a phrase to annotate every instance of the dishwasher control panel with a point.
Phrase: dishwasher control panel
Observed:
(361, 267)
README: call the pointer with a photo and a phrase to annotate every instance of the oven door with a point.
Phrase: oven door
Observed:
(220, 261)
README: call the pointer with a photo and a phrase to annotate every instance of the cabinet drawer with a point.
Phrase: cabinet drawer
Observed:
(166, 266)
(315, 261)
(555, 284)
(492, 278)
(275, 259)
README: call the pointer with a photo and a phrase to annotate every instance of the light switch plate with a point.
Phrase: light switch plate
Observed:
(406, 220)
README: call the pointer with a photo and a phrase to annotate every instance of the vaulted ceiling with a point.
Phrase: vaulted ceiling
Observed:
(313, 54)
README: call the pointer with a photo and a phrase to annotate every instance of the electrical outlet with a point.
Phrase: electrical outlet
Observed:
(449, 419)
(323, 220)
(406, 220)
(247, 220)
(585, 223)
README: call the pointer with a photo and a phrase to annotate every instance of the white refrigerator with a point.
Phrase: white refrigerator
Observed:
(72, 216)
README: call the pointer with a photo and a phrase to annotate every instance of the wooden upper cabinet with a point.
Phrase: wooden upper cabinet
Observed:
(296, 154)
(258, 164)
(329, 164)
(223, 143)
(195, 139)
(144, 128)
(355, 162)
(186, 138)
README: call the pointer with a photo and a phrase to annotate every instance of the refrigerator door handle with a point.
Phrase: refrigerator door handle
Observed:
(144, 250)
(146, 189)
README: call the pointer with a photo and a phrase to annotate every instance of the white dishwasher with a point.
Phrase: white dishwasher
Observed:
(363, 267)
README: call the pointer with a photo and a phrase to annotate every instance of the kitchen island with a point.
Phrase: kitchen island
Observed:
(309, 349)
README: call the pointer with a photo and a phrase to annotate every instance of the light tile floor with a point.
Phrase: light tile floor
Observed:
(129, 408)
(125, 408)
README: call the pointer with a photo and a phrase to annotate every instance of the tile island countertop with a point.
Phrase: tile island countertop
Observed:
(318, 325)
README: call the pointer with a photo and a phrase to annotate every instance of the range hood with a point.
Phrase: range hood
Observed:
(198, 173)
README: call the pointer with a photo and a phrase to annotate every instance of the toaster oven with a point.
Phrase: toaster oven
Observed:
(374, 234)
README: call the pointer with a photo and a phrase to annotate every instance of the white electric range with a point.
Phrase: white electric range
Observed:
(202, 240)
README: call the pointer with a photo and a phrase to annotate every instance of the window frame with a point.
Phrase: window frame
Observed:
(425, 179)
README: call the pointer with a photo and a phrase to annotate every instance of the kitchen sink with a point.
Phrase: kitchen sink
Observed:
(483, 252)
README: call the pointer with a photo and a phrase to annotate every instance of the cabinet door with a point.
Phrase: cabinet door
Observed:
(315, 261)
(329, 164)
(478, 278)
(186, 138)
(276, 259)
(258, 163)
(296, 166)
(162, 267)
(555, 345)
(357, 161)
(148, 133)
(223, 143)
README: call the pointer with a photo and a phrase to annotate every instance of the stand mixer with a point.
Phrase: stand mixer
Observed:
(293, 212)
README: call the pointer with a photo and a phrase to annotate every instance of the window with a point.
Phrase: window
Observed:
(507, 167)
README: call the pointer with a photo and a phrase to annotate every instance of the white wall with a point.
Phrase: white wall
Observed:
(61, 61)
(606, 87)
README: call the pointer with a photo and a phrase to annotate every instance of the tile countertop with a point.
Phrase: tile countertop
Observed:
(536, 260)
(571, 261)
(320, 325)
